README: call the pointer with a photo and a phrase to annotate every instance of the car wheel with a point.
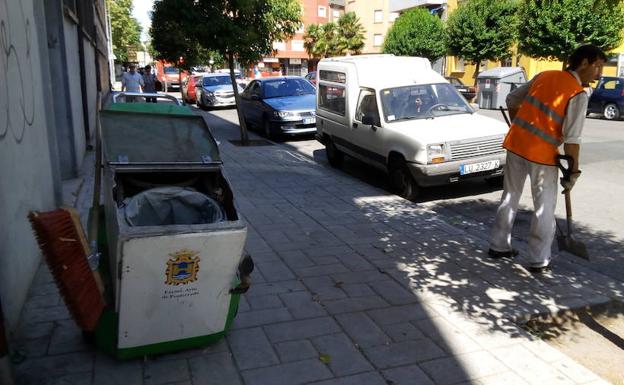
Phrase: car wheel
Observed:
(403, 182)
(335, 157)
(268, 132)
(611, 111)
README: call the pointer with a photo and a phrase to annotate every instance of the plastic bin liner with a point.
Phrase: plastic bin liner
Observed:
(172, 206)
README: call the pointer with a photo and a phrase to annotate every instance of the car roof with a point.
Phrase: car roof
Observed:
(380, 71)
(262, 80)
(212, 75)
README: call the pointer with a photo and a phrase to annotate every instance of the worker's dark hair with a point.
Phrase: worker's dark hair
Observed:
(589, 52)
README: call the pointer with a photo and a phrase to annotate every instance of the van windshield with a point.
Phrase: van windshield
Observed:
(422, 101)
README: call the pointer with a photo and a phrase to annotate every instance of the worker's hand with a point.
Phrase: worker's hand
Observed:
(568, 183)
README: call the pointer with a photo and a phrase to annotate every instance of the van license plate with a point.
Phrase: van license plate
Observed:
(309, 120)
(478, 167)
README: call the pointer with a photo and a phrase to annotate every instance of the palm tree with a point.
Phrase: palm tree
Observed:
(311, 39)
(350, 35)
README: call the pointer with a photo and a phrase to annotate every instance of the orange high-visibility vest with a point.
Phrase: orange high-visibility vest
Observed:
(537, 130)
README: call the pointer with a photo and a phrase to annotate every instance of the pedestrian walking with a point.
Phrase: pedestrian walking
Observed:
(131, 81)
(149, 83)
(546, 112)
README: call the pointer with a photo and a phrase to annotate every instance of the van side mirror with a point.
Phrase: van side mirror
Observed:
(368, 120)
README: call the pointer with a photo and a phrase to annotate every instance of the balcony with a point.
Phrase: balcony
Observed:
(404, 5)
(340, 3)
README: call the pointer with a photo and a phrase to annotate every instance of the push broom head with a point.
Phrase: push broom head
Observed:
(61, 241)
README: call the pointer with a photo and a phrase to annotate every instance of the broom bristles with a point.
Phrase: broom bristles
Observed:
(64, 253)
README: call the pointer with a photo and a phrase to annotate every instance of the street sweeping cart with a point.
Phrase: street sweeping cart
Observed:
(172, 236)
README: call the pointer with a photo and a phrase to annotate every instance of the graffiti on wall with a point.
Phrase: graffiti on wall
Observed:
(17, 109)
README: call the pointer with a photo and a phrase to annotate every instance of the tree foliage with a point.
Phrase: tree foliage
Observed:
(482, 30)
(553, 29)
(416, 33)
(125, 29)
(237, 29)
(343, 37)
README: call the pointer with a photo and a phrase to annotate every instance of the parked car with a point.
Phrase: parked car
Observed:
(468, 92)
(237, 75)
(170, 78)
(409, 122)
(311, 76)
(215, 90)
(188, 88)
(608, 98)
(280, 105)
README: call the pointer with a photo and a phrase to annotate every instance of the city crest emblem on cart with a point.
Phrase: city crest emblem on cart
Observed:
(182, 267)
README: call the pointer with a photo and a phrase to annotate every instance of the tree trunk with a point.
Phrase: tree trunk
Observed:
(241, 119)
(476, 74)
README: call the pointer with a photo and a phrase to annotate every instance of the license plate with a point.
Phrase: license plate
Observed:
(309, 120)
(478, 167)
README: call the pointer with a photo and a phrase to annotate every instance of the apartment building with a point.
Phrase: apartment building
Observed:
(291, 57)
(376, 17)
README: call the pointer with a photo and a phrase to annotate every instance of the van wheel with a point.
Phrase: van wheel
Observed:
(611, 112)
(403, 182)
(335, 157)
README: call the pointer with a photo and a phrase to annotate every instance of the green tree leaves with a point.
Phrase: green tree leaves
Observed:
(125, 29)
(552, 29)
(346, 36)
(416, 33)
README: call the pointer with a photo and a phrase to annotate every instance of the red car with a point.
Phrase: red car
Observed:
(188, 88)
(170, 78)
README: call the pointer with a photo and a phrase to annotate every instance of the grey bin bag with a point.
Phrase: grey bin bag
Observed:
(172, 206)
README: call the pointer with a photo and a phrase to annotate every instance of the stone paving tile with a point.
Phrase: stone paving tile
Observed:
(407, 375)
(303, 305)
(296, 330)
(35, 370)
(357, 290)
(343, 358)
(397, 314)
(67, 338)
(403, 353)
(109, 371)
(274, 288)
(292, 373)
(260, 317)
(464, 367)
(296, 259)
(403, 331)
(362, 329)
(295, 350)
(214, 369)
(447, 336)
(85, 378)
(348, 305)
(370, 378)
(574, 371)
(393, 293)
(322, 270)
(529, 366)
(273, 271)
(31, 331)
(262, 302)
(46, 314)
(159, 372)
(360, 277)
(251, 348)
(507, 378)
(325, 288)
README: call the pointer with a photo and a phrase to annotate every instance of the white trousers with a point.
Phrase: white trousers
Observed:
(544, 191)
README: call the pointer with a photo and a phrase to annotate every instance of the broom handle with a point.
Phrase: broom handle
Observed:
(568, 204)
(97, 180)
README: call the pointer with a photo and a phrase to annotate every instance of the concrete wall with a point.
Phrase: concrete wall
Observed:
(75, 93)
(26, 173)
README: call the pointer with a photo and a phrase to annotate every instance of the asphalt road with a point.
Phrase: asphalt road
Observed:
(596, 198)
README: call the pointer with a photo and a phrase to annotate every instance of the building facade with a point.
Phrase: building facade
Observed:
(54, 56)
(376, 16)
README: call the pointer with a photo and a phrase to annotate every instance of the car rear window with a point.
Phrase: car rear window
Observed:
(287, 87)
(171, 70)
(216, 81)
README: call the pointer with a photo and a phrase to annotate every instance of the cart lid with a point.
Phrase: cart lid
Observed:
(157, 138)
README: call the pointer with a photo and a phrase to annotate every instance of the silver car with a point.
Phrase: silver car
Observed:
(215, 90)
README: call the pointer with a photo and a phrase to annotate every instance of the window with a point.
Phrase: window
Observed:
(335, 14)
(378, 16)
(377, 40)
(279, 45)
(211, 81)
(334, 76)
(332, 98)
(459, 64)
(393, 16)
(297, 45)
(367, 107)
(611, 85)
(322, 11)
(301, 28)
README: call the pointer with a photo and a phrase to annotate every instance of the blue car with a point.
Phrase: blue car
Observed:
(280, 106)
(608, 98)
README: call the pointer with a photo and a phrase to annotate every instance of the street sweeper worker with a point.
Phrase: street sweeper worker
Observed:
(546, 112)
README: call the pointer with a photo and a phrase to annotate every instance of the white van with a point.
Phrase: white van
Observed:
(397, 114)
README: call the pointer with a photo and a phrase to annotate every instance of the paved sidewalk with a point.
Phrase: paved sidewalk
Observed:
(353, 286)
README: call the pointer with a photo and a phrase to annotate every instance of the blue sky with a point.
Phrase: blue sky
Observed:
(140, 10)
